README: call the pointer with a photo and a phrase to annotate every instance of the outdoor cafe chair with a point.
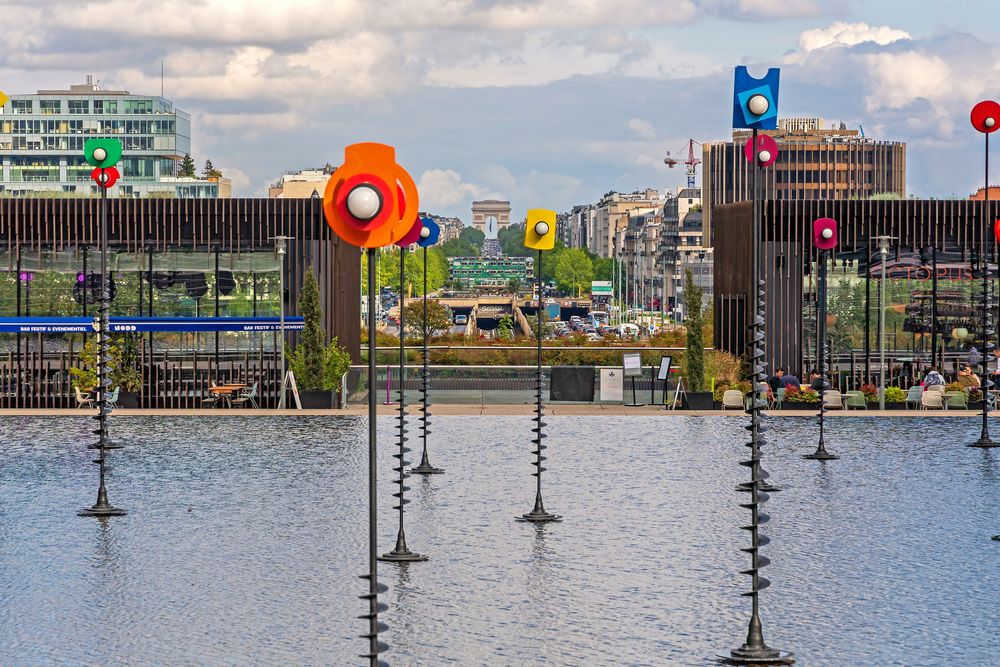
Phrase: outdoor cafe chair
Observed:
(733, 398)
(832, 399)
(779, 398)
(112, 401)
(932, 400)
(248, 396)
(855, 399)
(956, 399)
(913, 396)
(83, 400)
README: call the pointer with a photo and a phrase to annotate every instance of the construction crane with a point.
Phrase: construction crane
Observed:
(692, 162)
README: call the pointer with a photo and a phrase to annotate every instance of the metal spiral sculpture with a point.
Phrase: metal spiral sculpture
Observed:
(986, 339)
(425, 467)
(538, 514)
(760, 151)
(985, 118)
(375, 626)
(401, 554)
(102, 507)
(821, 454)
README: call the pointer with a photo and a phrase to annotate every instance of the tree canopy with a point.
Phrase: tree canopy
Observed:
(573, 270)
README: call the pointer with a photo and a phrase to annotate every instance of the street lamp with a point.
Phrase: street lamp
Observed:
(279, 247)
(883, 248)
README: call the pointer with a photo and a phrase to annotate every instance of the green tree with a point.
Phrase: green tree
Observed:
(459, 248)
(210, 171)
(573, 270)
(438, 318)
(604, 268)
(311, 341)
(186, 169)
(505, 329)
(695, 355)
(512, 241)
(514, 285)
(316, 366)
(472, 236)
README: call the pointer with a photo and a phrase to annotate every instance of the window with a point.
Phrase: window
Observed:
(79, 106)
(138, 106)
(21, 106)
(105, 106)
(50, 107)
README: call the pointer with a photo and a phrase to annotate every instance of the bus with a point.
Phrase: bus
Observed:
(597, 318)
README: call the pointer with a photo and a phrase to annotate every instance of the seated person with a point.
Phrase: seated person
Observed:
(933, 378)
(967, 378)
(776, 381)
(817, 383)
(790, 380)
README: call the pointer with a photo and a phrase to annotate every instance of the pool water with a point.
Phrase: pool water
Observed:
(245, 537)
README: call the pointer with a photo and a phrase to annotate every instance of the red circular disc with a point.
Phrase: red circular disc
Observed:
(411, 236)
(981, 112)
(340, 200)
(110, 173)
(764, 143)
(996, 229)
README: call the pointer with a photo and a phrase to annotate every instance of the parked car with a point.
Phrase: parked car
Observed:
(461, 319)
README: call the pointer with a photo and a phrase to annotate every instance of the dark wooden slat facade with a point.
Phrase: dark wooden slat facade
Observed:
(786, 249)
(158, 225)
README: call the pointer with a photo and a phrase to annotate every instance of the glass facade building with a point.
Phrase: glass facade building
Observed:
(42, 138)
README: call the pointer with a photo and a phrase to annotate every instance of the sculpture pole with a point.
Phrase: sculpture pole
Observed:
(103, 154)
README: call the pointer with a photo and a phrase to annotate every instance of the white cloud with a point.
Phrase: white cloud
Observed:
(849, 34)
(443, 188)
(897, 79)
(641, 128)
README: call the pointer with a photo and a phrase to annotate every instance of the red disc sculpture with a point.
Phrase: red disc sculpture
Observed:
(370, 201)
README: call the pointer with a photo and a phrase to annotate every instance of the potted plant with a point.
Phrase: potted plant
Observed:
(124, 369)
(895, 398)
(871, 393)
(800, 399)
(317, 367)
(84, 376)
(696, 397)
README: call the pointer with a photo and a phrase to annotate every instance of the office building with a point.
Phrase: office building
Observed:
(42, 138)
(813, 163)
(301, 184)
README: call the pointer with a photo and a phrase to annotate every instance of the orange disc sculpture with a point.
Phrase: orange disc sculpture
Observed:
(370, 201)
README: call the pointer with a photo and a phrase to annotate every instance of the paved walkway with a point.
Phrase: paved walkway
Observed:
(451, 409)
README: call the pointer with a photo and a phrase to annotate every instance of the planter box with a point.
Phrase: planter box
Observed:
(128, 399)
(317, 400)
(800, 406)
(698, 400)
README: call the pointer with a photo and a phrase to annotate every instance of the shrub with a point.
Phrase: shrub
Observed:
(870, 391)
(953, 386)
(894, 395)
(695, 354)
(795, 395)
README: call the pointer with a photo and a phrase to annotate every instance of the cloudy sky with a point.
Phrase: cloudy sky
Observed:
(549, 103)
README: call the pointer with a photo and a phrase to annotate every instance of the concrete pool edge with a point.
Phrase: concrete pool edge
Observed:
(463, 410)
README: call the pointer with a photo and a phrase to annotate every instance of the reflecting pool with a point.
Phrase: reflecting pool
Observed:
(245, 537)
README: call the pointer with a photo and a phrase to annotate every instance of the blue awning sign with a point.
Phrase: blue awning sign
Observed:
(55, 325)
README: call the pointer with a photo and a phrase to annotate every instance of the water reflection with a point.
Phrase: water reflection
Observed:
(246, 537)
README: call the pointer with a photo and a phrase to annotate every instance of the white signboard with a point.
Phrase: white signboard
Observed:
(600, 288)
(632, 364)
(611, 385)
